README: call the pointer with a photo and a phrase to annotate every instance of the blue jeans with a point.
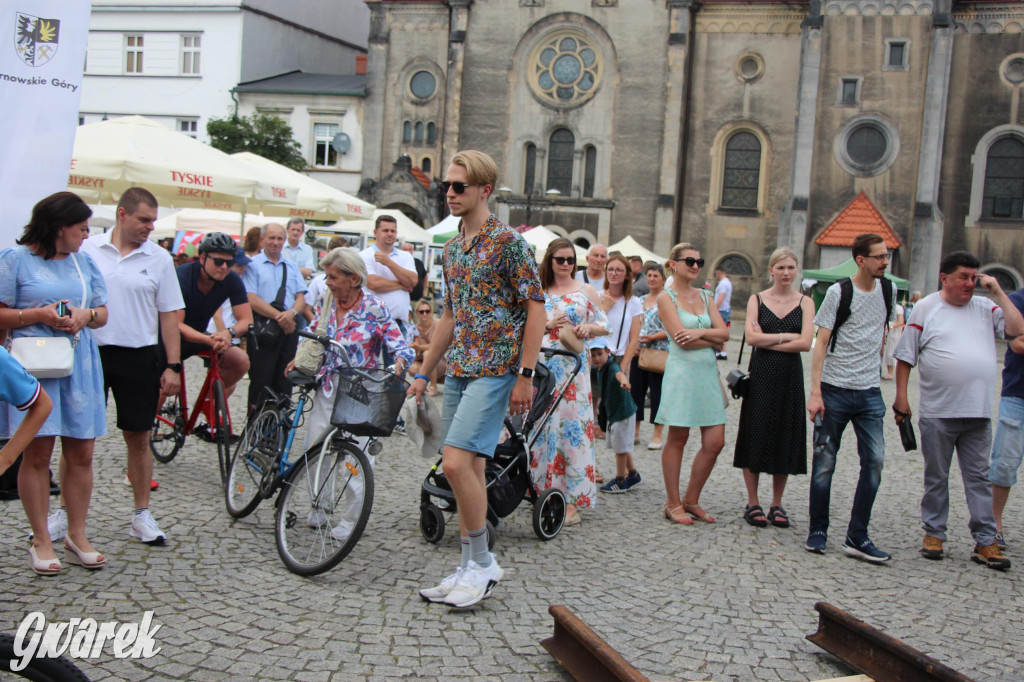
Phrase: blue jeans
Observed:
(866, 409)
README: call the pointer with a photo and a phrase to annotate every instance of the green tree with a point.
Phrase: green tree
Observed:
(268, 136)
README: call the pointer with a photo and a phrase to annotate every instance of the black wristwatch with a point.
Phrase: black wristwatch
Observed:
(526, 372)
(174, 367)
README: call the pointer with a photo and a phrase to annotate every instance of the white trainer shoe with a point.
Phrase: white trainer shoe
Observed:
(316, 518)
(341, 532)
(145, 529)
(474, 584)
(442, 590)
(56, 524)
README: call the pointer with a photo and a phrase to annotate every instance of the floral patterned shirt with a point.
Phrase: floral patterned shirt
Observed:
(363, 331)
(487, 283)
(652, 325)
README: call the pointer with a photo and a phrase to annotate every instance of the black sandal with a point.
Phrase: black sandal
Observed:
(755, 516)
(778, 517)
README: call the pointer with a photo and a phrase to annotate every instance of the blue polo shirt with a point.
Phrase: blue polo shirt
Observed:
(1013, 364)
(200, 307)
(263, 278)
(17, 387)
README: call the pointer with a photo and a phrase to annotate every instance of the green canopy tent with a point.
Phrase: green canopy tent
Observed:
(823, 279)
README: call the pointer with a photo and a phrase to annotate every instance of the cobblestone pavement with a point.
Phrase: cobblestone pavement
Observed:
(708, 602)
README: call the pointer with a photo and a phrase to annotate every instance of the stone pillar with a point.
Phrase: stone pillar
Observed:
(458, 24)
(794, 215)
(670, 174)
(929, 222)
(376, 90)
(577, 174)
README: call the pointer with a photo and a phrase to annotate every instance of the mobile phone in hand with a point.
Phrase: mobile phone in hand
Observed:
(62, 309)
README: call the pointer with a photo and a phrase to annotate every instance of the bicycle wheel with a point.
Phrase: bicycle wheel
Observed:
(39, 669)
(168, 433)
(221, 429)
(255, 453)
(323, 508)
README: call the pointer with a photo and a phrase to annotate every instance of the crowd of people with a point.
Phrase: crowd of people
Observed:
(129, 318)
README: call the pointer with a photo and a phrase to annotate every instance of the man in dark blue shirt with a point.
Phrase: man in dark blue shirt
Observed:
(205, 284)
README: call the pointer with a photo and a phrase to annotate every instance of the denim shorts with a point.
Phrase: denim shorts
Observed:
(474, 412)
(1008, 444)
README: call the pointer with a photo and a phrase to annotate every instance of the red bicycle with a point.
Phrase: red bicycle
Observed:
(173, 422)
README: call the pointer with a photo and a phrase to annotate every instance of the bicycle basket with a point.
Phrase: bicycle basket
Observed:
(365, 407)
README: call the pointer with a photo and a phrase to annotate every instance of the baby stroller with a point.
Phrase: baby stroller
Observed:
(508, 472)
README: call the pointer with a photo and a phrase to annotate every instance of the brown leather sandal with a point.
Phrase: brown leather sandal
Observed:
(678, 515)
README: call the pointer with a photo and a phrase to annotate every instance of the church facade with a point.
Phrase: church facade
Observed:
(737, 126)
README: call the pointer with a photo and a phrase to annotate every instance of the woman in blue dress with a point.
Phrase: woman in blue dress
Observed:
(44, 270)
(692, 395)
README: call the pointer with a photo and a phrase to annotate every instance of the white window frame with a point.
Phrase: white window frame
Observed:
(191, 55)
(327, 140)
(188, 126)
(136, 51)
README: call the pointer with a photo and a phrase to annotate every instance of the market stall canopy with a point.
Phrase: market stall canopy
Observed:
(315, 200)
(630, 247)
(408, 231)
(112, 156)
(818, 281)
(201, 221)
(446, 226)
(539, 237)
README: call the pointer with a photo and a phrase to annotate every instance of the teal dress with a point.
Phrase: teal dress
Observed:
(691, 394)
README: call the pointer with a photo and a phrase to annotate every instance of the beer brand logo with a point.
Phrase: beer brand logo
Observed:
(36, 39)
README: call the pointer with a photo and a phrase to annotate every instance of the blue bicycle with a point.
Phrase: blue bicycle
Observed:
(326, 494)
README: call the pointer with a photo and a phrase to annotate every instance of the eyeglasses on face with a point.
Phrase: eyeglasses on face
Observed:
(221, 262)
(691, 261)
(615, 271)
(879, 256)
(459, 187)
(562, 260)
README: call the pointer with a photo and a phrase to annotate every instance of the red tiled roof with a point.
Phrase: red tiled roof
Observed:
(859, 216)
(421, 176)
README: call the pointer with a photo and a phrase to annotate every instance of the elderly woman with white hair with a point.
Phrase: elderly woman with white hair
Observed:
(360, 322)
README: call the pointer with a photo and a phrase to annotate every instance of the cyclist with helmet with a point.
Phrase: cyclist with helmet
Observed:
(205, 284)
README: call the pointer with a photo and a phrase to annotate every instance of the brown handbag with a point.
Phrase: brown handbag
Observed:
(653, 360)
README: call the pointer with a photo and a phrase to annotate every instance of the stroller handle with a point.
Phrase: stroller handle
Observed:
(551, 352)
(327, 342)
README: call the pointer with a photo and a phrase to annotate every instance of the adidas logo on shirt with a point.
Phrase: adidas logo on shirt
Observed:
(145, 272)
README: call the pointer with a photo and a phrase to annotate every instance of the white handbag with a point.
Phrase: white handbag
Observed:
(48, 357)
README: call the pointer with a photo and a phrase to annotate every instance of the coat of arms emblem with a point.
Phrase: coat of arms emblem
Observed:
(35, 39)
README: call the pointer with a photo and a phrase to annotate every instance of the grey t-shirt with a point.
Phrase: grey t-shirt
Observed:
(954, 348)
(856, 362)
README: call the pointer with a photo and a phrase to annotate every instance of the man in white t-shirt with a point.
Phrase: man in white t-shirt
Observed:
(845, 388)
(392, 272)
(950, 338)
(144, 297)
(723, 299)
(597, 258)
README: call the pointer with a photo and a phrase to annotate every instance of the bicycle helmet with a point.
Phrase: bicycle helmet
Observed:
(217, 242)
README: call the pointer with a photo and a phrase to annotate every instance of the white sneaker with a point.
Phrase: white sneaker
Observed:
(145, 529)
(316, 518)
(474, 584)
(56, 524)
(341, 532)
(441, 591)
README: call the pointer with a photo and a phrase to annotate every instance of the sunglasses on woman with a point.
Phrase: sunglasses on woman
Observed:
(562, 260)
(424, 311)
(691, 261)
(459, 187)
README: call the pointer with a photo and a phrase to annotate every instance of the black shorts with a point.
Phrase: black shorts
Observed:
(133, 375)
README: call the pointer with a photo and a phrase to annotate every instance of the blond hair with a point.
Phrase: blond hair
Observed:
(678, 249)
(780, 253)
(480, 168)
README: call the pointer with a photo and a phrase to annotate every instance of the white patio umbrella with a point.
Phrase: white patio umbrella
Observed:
(112, 156)
(408, 231)
(203, 220)
(314, 201)
(449, 224)
(539, 237)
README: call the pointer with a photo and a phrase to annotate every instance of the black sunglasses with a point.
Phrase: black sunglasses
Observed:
(459, 187)
(691, 261)
(562, 260)
(218, 262)
(424, 310)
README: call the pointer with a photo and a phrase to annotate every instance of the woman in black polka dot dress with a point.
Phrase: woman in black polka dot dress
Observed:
(772, 436)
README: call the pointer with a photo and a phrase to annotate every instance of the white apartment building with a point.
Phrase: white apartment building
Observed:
(178, 62)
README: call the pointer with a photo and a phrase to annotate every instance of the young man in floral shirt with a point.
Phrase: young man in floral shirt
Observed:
(491, 327)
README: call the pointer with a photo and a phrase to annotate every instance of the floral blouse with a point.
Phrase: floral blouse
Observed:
(363, 331)
(652, 325)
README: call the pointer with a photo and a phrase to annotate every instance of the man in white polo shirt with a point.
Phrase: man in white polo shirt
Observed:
(392, 272)
(143, 300)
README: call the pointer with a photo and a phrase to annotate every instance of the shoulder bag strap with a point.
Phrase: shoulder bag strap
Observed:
(622, 323)
(81, 278)
(279, 299)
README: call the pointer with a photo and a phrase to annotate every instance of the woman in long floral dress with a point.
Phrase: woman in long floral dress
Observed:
(563, 456)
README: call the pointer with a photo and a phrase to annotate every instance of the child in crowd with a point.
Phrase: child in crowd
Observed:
(621, 411)
(21, 389)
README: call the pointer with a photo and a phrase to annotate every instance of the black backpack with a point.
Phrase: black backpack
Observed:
(846, 298)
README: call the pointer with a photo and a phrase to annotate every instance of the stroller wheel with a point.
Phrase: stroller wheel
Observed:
(548, 514)
(492, 533)
(431, 523)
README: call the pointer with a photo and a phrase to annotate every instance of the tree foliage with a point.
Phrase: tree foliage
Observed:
(267, 136)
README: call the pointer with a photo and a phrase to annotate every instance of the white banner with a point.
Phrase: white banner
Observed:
(42, 53)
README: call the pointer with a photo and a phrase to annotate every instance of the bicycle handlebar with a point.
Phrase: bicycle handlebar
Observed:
(327, 342)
